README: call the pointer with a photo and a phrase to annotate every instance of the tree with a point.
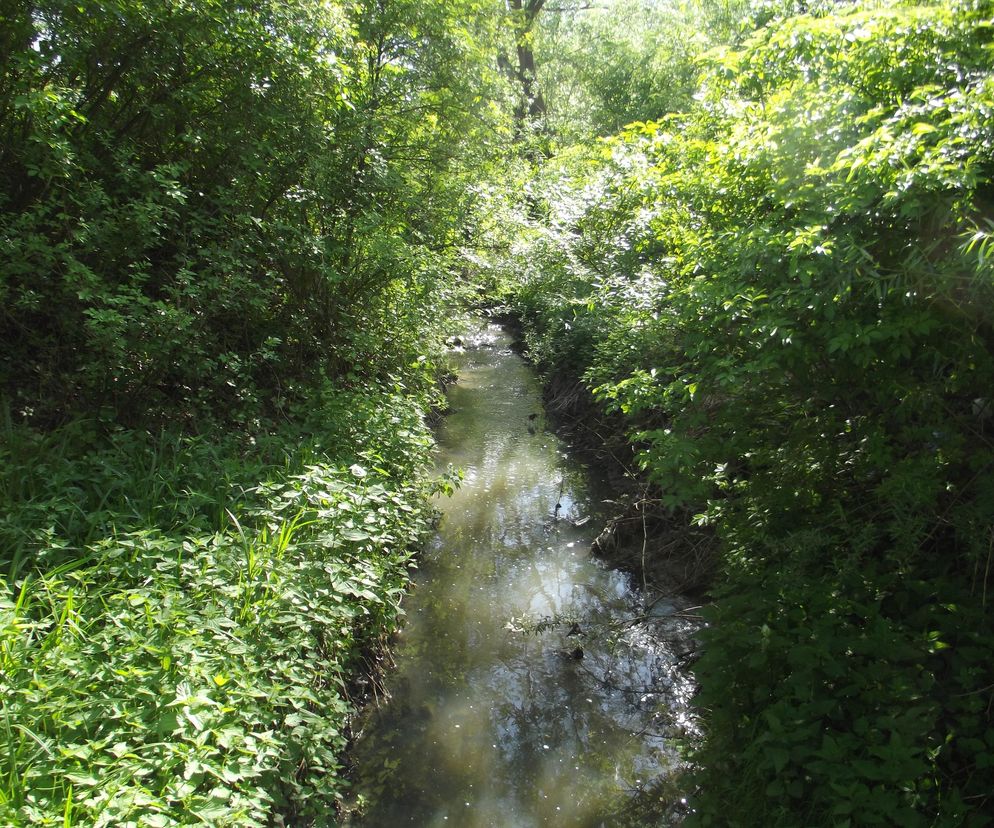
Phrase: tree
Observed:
(200, 203)
(530, 109)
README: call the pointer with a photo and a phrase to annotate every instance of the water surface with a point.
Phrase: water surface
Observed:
(526, 691)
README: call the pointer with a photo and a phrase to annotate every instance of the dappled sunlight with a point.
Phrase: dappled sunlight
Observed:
(523, 694)
(748, 246)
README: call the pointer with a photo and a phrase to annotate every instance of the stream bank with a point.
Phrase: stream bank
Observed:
(660, 547)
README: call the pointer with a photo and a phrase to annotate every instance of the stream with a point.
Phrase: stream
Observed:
(533, 685)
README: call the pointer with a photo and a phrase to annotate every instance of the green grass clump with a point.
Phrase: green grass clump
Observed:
(177, 642)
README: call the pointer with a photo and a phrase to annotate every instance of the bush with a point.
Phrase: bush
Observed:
(179, 646)
(786, 292)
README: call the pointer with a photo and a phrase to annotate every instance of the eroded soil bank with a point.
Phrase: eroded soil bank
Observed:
(534, 685)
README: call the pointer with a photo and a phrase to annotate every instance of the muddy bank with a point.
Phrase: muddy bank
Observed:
(661, 547)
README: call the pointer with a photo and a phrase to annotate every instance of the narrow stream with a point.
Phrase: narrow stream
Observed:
(527, 691)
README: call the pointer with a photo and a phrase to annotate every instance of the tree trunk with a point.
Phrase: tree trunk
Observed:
(531, 108)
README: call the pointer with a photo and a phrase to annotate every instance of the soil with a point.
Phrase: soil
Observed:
(661, 547)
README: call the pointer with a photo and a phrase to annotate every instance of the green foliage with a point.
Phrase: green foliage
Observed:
(847, 698)
(786, 291)
(226, 238)
(200, 218)
(249, 215)
(603, 67)
(178, 643)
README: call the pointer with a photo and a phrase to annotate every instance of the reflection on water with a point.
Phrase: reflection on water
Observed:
(524, 692)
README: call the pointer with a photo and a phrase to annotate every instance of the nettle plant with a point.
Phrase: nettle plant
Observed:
(180, 645)
(167, 680)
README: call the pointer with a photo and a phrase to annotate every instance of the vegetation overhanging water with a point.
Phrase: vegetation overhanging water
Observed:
(231, 236)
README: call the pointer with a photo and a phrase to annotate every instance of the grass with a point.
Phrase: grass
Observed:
(181, 619)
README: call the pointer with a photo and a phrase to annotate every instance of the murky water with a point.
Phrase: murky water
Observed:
(526, 691)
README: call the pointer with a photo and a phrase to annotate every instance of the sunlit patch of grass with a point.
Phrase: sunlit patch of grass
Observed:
(176, 643)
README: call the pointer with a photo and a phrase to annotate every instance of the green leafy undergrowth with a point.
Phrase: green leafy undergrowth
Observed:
(182, 653)
(786, 293)
(846, 698)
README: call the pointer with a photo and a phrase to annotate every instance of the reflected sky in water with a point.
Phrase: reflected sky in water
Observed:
(491, 722)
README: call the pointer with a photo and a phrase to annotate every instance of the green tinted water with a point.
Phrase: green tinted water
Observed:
(490, 721)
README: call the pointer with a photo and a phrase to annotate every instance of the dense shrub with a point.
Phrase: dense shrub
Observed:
(787, 292)
(205, 208)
